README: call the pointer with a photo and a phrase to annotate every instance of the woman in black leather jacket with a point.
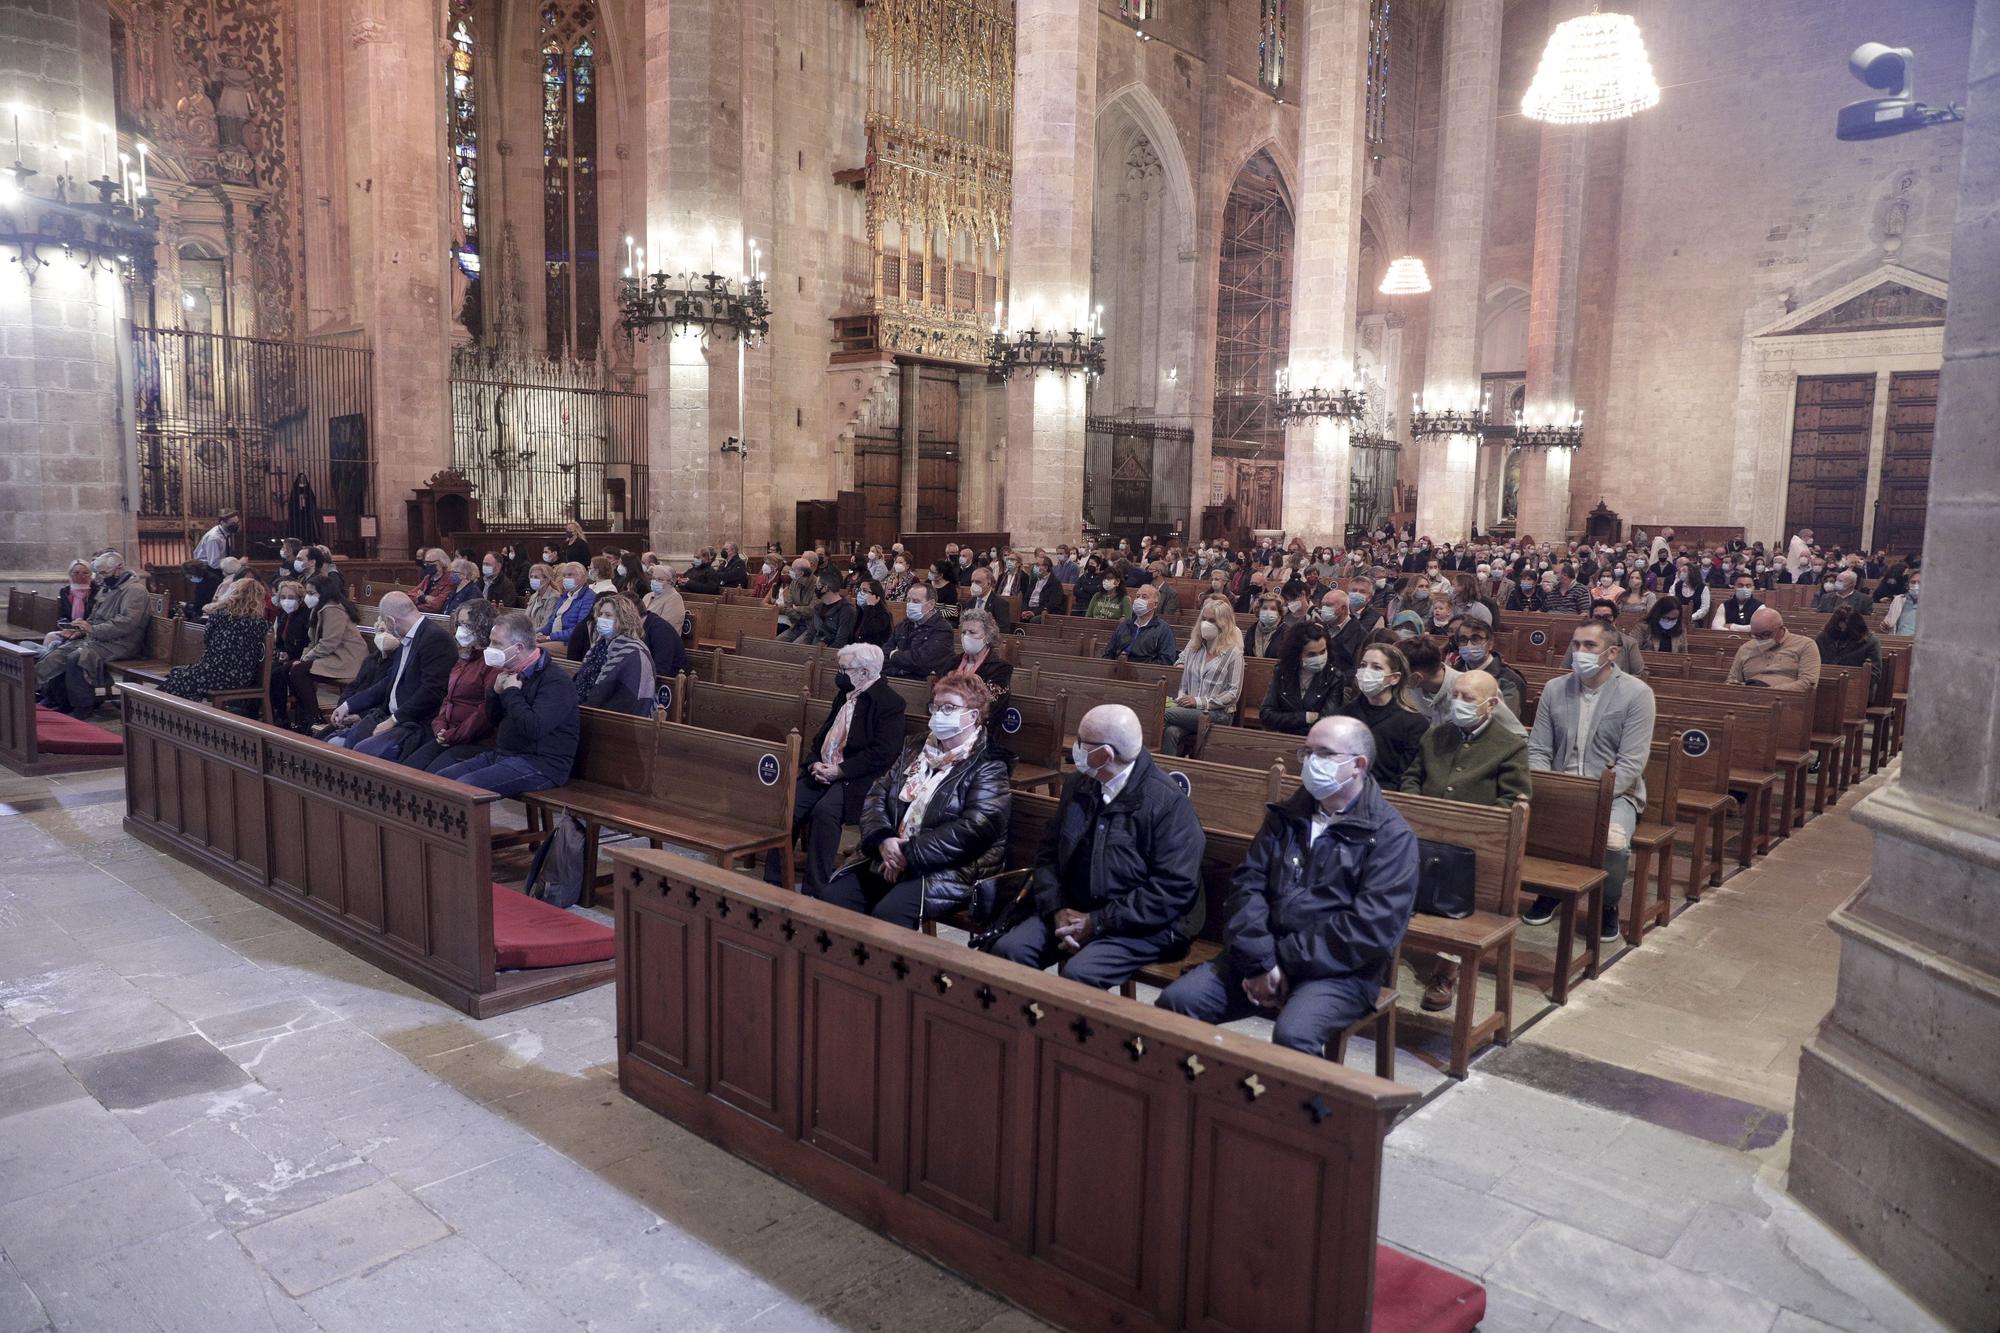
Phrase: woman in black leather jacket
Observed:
(1305, 685)
(935, 824)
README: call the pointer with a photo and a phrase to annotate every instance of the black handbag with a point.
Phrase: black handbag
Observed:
(1444, 878)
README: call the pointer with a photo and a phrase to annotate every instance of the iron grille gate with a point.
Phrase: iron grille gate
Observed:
(542, 441)
(279, 431)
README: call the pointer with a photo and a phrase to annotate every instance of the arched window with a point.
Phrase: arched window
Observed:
(1271, 16)
(462, 99)
(1378, 70)
(571, 42)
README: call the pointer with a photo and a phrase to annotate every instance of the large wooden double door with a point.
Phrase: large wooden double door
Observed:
(1828, 488)
(878, 460)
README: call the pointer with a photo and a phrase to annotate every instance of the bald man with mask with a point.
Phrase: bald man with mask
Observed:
(1117, 879)
(1775, 658)
(1317, 908)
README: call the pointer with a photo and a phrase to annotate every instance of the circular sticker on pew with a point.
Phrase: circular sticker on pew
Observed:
(1182, 781)
(1010, 721)
(1694, 743)
(768, 769)
(1538, 637)
(665, 697)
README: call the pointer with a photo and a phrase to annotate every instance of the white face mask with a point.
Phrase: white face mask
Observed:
(1267, 618)
(535, 584)
(288, 604)
(1371, 679)
(1079, 754)
(972, 645)
(299, 566)
(1587, 663)
(494, 657)
(1316, 662)
(386, 643)
(1323, 775)
(607, 629)
(916, 610)
(1209, 629)
(622, 571)
(1111, 585)
(312, 601)
(466, 638)
(569, 585)
(1465, 713)
(949, 722)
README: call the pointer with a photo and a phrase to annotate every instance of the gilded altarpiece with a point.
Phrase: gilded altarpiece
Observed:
(939, 173)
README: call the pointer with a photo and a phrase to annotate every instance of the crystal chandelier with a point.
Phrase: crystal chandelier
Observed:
(1594, 69)
(1406, 277)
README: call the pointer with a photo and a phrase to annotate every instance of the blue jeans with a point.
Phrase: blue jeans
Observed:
(389, 745)
(1313, 1010)
(508, 774)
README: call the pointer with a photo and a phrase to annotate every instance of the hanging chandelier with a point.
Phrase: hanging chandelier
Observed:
(1594, 69)
(1406, 277)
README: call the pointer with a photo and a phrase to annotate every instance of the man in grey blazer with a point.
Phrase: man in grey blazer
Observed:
(1594, 718)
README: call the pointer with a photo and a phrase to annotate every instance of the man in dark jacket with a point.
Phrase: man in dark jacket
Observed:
(532, 708)
(1317, 906)
(921, 646)
(856, 744)
(733, 573)
(701, 577)
(832, 621)
(1118, 876)
(495, 584)
(1143, 636)
(408, 697)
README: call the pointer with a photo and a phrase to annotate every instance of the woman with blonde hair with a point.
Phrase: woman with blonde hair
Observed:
(1211, 676)
(1385, 700)
(232, 651)
(617, 671)
(544, 591)
(463, 577)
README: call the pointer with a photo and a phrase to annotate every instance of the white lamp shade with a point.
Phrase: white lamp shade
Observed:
(1406, 277)
(1594, 69)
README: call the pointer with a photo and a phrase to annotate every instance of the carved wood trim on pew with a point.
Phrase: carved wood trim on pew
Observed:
(1101, 1162)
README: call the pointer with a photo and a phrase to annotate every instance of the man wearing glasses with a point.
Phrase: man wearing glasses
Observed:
(1319, 904)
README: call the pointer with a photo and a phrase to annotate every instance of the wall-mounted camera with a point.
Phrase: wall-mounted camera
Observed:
(1888, 68)
(733, 445)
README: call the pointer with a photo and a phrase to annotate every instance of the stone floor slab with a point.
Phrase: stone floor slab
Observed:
(20, 1309)
(1619, 1288)
(157, 1072)
(59, 1145)
(47, 1231)
(455, 1287)
(31, 1081)
(337, 1239)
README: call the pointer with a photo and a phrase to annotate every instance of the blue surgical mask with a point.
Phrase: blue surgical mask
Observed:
(1323, 775)
(569, 585)
(535, 584)
(1471, 654)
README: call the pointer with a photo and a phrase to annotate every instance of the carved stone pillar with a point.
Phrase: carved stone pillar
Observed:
(1055, 117)
(1898, 1114)
(1327, 257)
(1448, 465)
(68, 479)
(396, 211)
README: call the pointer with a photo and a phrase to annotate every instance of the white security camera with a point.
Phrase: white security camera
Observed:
(1880, 65)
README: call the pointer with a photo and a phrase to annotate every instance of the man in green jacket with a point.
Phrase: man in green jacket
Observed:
(1467, 759)
(67, 676)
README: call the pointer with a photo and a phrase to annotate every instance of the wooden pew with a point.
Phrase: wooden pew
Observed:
(391, 863)
(727, 797)
(756, 673)
(1036, 728)
(1257, 672)
(1251, 749)
(719, 626)
(1653, 842)
(1568, 821)
(1148, 700)
(765, 715)
(21, 740)
(170, 642)
(1103, 1163)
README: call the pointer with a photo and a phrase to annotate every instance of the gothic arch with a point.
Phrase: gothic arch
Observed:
(1131, 109)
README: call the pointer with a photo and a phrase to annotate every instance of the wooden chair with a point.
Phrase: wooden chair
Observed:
(1652, 891)
(259, 694)
(1568, 821)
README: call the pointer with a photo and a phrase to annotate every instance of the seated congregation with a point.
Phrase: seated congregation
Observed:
(1257, 779)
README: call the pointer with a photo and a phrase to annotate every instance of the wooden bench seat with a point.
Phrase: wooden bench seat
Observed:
(1568, 823)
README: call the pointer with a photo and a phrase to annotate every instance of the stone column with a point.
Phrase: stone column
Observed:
(1326, 256)
(1898, 1113)
(67, 463)
(1447, 466)
(1055, 118)
(396, 230)
(1552, 316)
(695, 220)
(909, 395)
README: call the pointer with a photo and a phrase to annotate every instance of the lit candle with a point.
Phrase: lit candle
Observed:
(628, 256)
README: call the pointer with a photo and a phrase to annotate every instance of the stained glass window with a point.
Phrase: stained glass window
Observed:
(570, 42)
(1271, 42)
(462, 91)
(1378, 70)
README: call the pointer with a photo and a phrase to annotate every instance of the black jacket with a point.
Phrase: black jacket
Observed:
(872, 625)
(733, 574)
(702, 579)
(1398, 733)
(1332, 908)
(830, 624)
(498, 590)
(919, 649)
(574, 550)
(873, 738)
(1054, 601)
(1286, 704)
(432, 652)
(538, 721)
(964, 835)
(663, 641)
(1141, 874)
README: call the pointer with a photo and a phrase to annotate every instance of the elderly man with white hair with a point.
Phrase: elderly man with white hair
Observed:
(393, 716)
(1319, 904)
(66, 677)
(1117, 881)
(861, 737)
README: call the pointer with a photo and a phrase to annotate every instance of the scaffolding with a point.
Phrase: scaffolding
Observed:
(1253, 334)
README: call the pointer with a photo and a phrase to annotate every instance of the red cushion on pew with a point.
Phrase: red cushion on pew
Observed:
(59, 733)
(1412, 1296)
(529, 933)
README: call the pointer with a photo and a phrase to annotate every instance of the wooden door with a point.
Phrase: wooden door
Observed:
(1904, 498)
(937, 451)
(1829, 478)
(878, 475)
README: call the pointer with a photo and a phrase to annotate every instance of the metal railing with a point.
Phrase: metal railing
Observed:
(279, 431)
(545, 441)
